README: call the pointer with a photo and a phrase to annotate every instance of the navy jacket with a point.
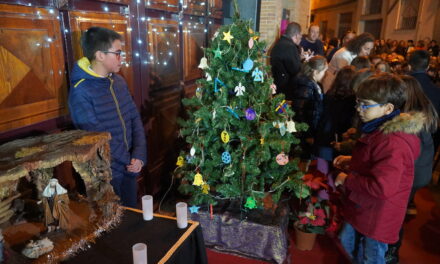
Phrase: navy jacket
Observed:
(431, 90)
(104, 104)
(316, 47)
(308, 103)
(286, 64)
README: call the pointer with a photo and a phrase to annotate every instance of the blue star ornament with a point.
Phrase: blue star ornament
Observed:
(194, 209)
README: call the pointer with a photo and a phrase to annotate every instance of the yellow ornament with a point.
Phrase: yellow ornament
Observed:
(225, 136)
(251, 31)
(205, 188)
(227, 36)
(198, 180)
(179, 162)
(198, 120)
(262, 141)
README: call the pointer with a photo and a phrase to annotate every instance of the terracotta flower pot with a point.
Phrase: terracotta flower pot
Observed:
(304, 241)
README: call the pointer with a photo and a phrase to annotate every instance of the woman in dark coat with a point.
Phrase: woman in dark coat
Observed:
(307, 100)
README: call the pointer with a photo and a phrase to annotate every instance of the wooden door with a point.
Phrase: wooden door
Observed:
(32, 75)
(215, 8)
(81, 21)
(194, 41)
(166, 5)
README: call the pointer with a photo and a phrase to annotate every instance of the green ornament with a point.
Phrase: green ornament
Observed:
(251, 203)
(217, 53)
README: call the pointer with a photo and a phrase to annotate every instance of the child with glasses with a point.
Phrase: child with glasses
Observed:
(99, 100)
(377, 178)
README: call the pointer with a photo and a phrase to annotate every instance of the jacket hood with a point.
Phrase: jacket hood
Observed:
(409, 123)
(81, 70)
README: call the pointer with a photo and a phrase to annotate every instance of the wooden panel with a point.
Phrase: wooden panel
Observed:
(194, 41)
(194, 7)
(32, 75)
(212, 28)
(166, 5)
(81, 21)
(162, 137)
(163, 53)
(190, 90)
(215, 8)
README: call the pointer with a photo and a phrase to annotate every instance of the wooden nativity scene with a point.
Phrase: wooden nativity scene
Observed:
(43, 219)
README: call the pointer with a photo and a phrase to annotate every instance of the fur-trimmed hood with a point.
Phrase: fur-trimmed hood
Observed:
(410, 123)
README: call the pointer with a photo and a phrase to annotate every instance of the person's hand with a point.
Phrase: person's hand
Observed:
(342, 162)
(135, 166)
(336, 145)
(340, 179)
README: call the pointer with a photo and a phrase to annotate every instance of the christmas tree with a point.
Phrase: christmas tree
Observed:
(239, 133)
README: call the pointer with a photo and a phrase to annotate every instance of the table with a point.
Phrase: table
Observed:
(165, 242)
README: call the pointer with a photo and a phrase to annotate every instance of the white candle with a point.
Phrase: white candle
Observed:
(147, 207)
(140, 253)
(181, 214)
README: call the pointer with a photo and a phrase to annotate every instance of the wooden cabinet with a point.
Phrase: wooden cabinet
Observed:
(215, 8)
(194, 7)
(194, 41)
(163, 53)
(32, 74)
(81, 21)
(166, 5)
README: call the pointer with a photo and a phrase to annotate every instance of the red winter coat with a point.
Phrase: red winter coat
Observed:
(380, 178)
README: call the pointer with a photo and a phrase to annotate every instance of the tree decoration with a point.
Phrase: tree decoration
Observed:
(217, 53)
(290, 126)
(208, 77)
(227, 36)
(194, 209)
(274, 88)
(225, 136)
(198, 180)
(239, 89)
(226, 157)
(282, 159)
(180, 161)
(192, 151)
(281, 107)
(282, 128)
(251, 43)
(250, 203)
(250, 114)
(199, 92)
(203, 63)
(251, 171)
(258, 75)
(205, 188)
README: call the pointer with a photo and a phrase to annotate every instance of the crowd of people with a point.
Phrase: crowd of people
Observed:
(371, 107)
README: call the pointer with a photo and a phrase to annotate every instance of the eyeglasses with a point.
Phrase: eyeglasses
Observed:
(118, 53)
(365, 106)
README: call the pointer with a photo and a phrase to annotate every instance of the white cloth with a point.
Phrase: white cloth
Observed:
(342, 58)
(49, 191)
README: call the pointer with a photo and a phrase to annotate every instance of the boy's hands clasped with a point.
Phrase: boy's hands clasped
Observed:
(135, 166)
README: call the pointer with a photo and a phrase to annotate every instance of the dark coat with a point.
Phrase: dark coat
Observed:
(307, 102)
(423, 165)
(431, 90)
(316, 47)
(337, 118)
(104, 104)
(380, 178)
(286, 64)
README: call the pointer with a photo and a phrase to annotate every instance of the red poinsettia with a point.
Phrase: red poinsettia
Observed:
(315, 218)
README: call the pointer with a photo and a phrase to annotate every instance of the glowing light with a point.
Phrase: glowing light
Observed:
(165, 63)
(51, 11)
(142, 18)
(129, 29)
(162, 18)
(136, 54)
(139, 41)
(49, 39)
(66, 31)
(105, 9)
(170, 53)
(205, 30)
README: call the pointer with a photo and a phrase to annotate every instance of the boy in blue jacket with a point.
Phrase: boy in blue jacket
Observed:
(99, 100)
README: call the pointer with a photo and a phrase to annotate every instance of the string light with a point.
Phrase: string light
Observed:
(105, 9)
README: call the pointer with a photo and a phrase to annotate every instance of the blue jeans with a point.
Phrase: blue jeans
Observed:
(125, 186)
(362, 249)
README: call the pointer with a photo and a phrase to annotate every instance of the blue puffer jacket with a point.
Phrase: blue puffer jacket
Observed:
(101, 104)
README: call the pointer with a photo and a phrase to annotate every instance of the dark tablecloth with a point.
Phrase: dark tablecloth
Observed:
(159, 234)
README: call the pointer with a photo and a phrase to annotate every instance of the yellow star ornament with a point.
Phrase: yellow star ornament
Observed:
(227, 36)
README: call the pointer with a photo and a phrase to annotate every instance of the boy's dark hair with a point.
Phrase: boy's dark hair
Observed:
(419, 60)
(341, 85)
(359, 77)
(292, 29)
(361, 62)
(383, 88)
(97, 38)
(334, 42)
(356, 44)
